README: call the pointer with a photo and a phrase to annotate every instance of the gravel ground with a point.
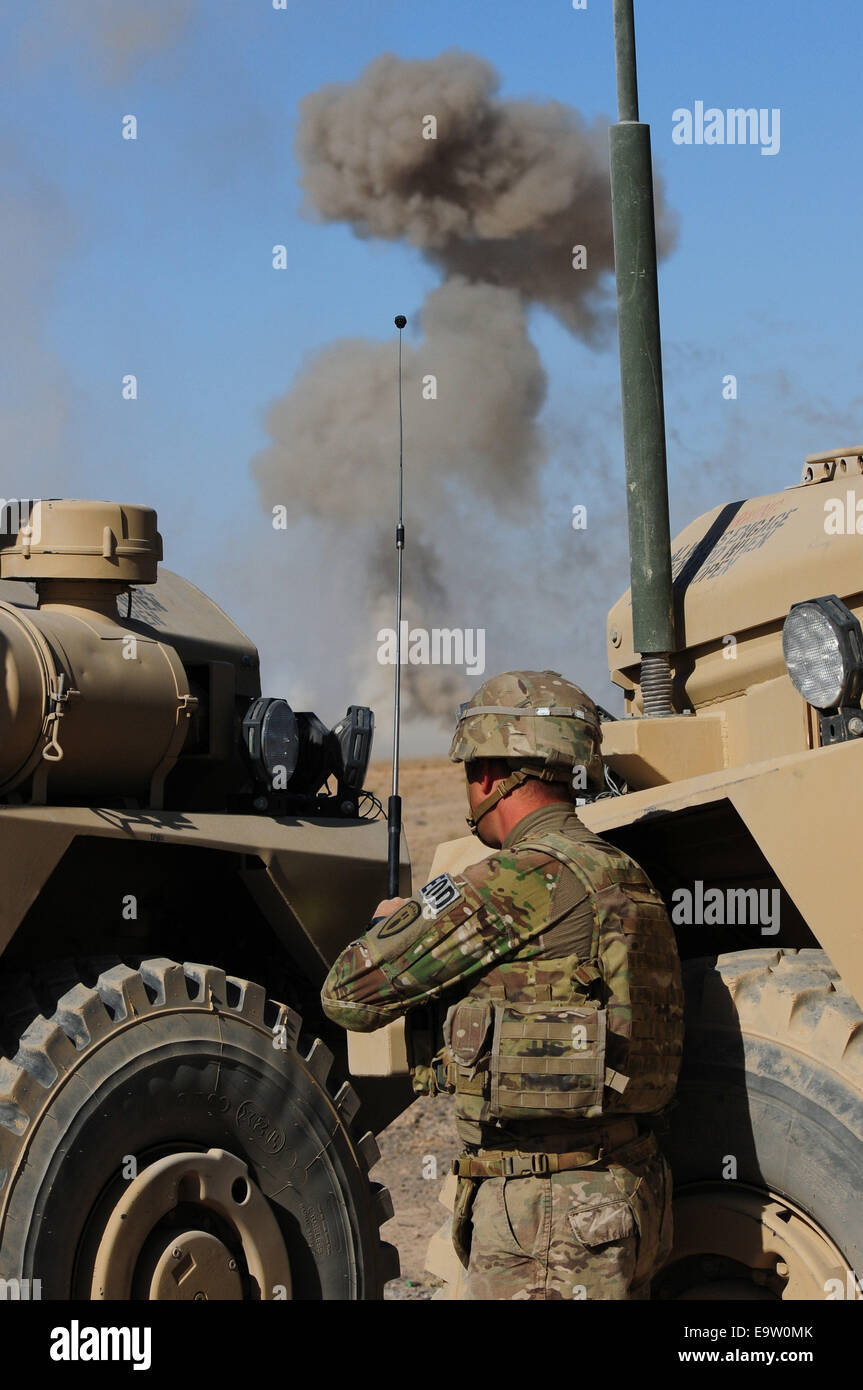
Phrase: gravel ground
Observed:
(416, 1151)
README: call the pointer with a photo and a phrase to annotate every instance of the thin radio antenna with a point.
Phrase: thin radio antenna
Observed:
(394, 806)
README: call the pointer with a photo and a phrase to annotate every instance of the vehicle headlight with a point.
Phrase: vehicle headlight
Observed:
(272, 740)
(822, 643)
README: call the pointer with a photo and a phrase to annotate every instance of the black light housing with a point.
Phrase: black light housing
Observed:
(271, 739)
(293, 754)
(354, 734)
(822, 642)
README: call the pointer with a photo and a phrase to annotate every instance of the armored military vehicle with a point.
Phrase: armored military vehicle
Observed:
(733, 801)
(739, 650)
(730, 806)
(180, 860)
(740, 653)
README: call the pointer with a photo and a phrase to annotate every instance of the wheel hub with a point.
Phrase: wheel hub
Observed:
(734, 1241)
(196, 1265)
(141, 1251)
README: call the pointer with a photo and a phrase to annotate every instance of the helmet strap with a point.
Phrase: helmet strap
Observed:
(504, 788)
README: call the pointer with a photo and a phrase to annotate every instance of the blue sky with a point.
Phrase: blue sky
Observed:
(153, 257)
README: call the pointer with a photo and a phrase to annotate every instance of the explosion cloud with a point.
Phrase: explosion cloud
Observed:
(496, 194)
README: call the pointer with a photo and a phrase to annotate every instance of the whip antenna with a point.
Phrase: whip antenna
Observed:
(394, 806)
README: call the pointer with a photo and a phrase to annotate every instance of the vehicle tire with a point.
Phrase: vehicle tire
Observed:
(766, 1135)
(166, 1132)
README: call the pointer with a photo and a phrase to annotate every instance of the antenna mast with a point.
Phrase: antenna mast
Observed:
(394, 807)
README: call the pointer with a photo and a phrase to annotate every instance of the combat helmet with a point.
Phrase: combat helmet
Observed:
(537, 721)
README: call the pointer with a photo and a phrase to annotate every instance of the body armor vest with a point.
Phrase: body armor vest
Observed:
(573, 1038)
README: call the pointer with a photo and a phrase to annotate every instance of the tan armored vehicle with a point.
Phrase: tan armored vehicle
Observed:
(739, 649)
(735, 807)
(168, 1130)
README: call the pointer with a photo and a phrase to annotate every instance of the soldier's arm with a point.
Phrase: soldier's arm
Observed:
(450, 931)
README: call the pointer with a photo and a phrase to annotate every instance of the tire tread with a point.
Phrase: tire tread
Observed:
(48, 1018)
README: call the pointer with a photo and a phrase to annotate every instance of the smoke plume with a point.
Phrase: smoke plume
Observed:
(495, 194)
(339, 422)
(502, 194)
(474, 450)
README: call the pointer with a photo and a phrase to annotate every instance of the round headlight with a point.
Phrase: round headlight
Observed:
(823, 648)
(272, 741)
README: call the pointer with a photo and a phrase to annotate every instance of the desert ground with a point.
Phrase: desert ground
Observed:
(417, 1148)
(434, 805)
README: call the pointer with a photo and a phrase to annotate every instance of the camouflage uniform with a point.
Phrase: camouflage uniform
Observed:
(596, 1233)
(562, 1206)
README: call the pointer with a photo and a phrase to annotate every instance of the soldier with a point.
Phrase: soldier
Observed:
(557, 966)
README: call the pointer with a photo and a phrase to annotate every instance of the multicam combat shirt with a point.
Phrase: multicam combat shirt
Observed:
(516, 903)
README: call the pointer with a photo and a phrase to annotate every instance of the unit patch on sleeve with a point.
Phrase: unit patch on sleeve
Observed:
(401, 918)
(439, 895)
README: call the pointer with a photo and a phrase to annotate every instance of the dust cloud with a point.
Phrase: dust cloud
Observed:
(496, 201)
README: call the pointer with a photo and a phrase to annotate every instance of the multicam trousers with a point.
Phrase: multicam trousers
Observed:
(592, 1233)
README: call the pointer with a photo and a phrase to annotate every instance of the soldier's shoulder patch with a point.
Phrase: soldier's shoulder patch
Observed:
(400, 919)
(439, 895)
